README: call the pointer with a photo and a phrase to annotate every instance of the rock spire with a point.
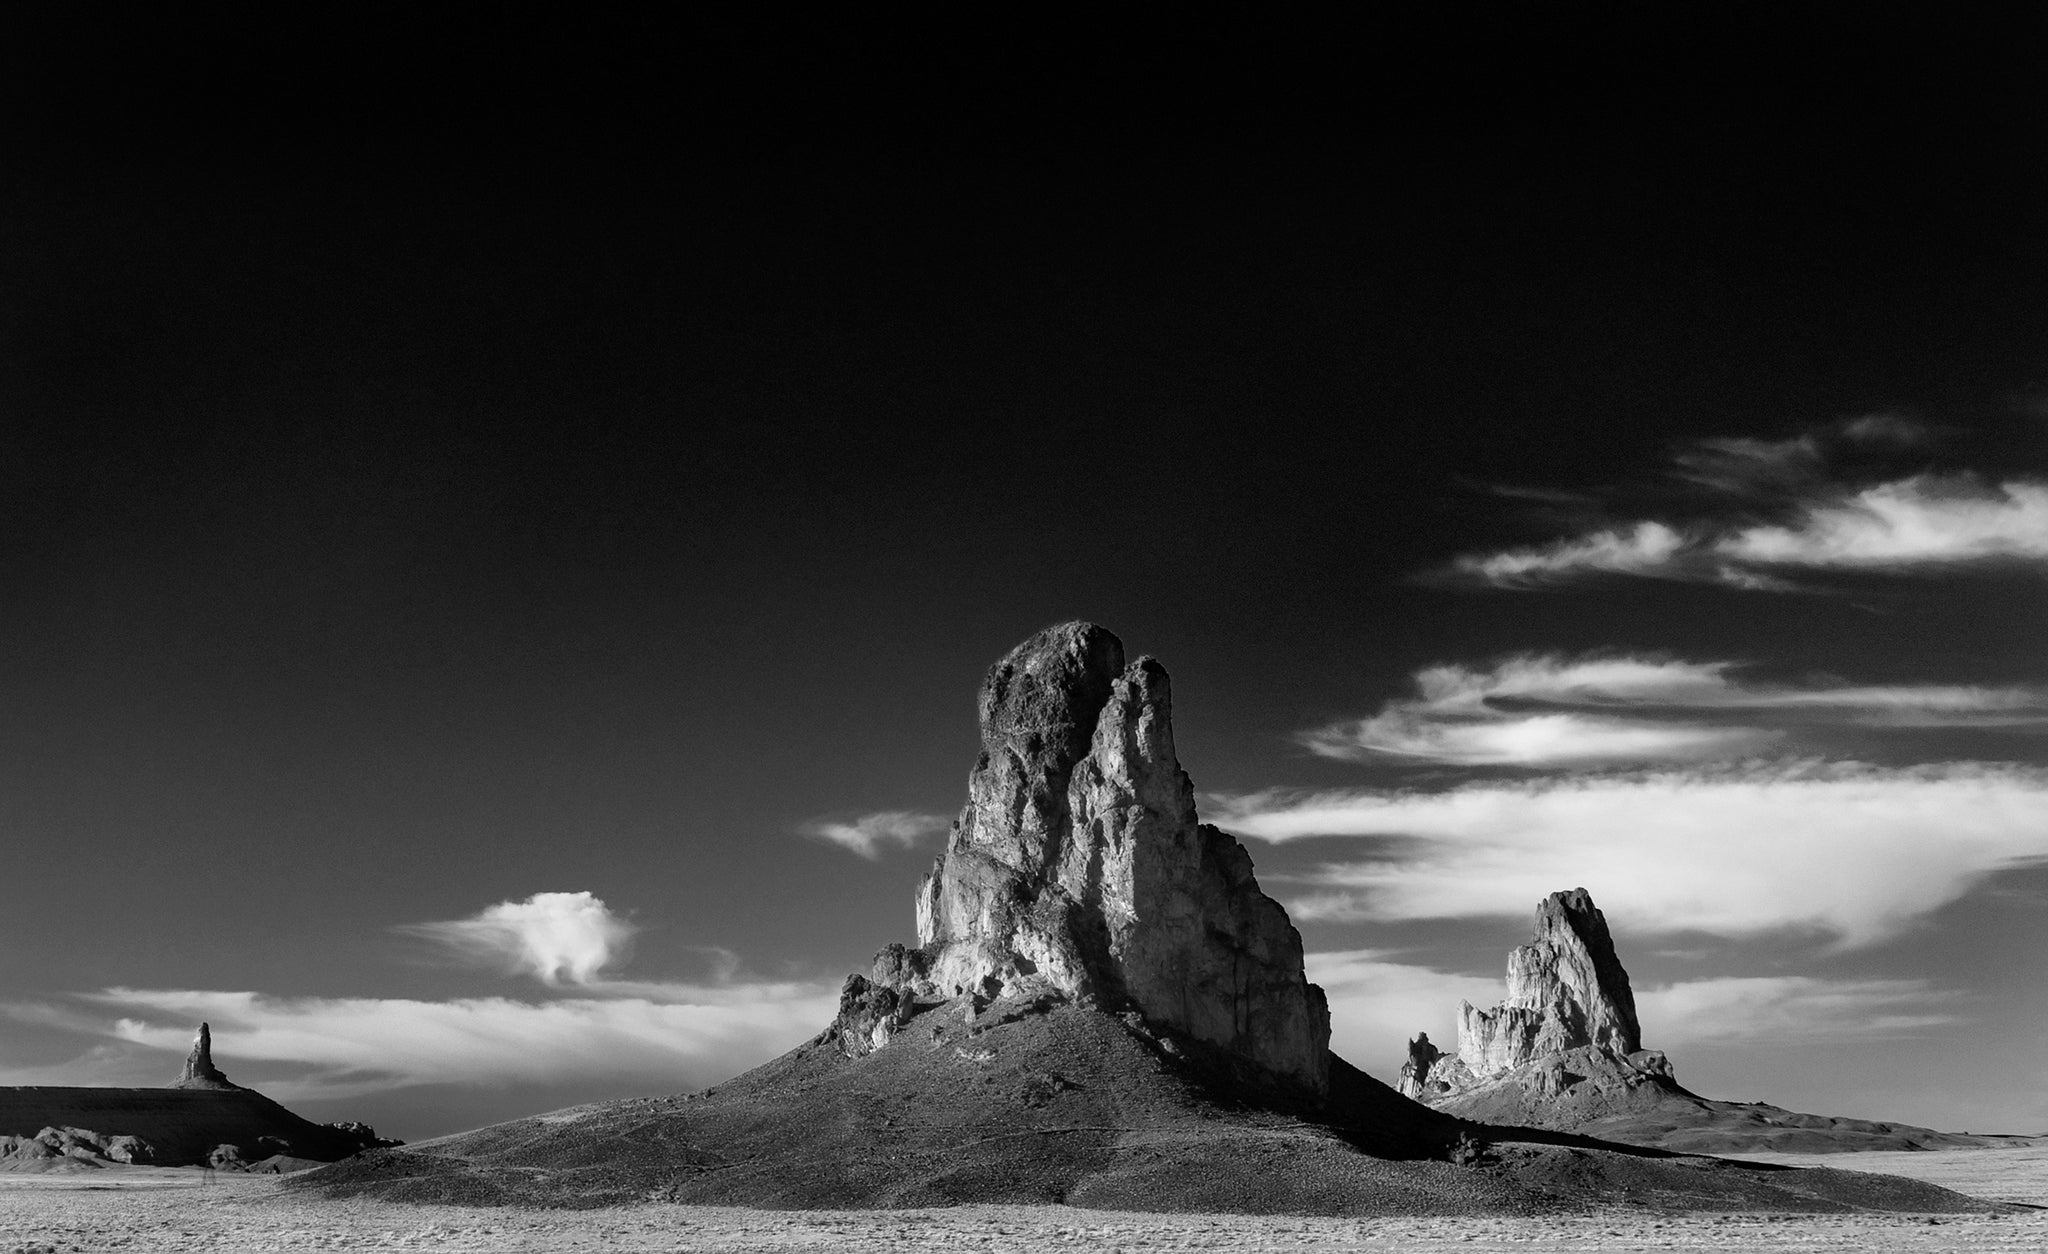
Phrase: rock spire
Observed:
(200, 1073)
(1566, 989)
(1078, 869)
(1567, 994)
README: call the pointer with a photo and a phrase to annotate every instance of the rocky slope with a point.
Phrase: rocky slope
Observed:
(1103, 1010)
(1564, 1052)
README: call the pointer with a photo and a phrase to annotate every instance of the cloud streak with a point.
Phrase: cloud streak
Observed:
(868, 834)
(1792, 1008)
(671, 1037)
(1378, 1002)
(1909, 525)
(1545, 710)
(554, 937)
(1779, 519)
(1842, 851)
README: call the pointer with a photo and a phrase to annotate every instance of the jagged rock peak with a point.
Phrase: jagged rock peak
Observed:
(200, 1073)
(1077, 869)
(1566, 990)
(1569, 1017)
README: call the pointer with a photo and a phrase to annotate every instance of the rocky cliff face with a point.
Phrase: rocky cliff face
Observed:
(1569, 1015)
(200, 1073)
(1078, 870)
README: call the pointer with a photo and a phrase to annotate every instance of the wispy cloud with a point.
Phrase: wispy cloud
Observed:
(551, 936)
(1791, 1008)
(1379, 1001)
(1781, 511)
(1911, 524)
(668, 1037)
(344, 1046)
(1548, 710)
(1644, 548)
(868, 834)
(1844, 851)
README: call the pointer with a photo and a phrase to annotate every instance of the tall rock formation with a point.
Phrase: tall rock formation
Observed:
(1078, 869)
(1566, 989)
(1569, 1015)
(200, 1073)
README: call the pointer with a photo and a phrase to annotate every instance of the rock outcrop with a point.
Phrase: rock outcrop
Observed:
(58, 1147)
(1566, 990)
(1569, 1020)
(200, 1073)
(1564, 1053)
(1078, 871)
(187, 1122)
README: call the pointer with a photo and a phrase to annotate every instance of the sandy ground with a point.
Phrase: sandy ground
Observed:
(143, 1209)
(2002, 1175)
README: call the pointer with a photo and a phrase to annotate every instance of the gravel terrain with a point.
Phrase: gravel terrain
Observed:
(140, 1209)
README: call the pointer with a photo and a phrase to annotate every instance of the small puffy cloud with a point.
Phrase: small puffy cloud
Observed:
(679, 1037)
(868, 834)
(1545, 710)
(1843, 851)
(554, 937)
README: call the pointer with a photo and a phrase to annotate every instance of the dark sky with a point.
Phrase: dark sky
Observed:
(457, 457)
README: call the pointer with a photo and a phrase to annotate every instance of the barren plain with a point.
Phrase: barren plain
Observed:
(150, 1209)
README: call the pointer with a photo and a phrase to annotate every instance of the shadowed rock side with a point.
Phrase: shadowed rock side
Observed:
(1104, 1011)
(1564, 1052)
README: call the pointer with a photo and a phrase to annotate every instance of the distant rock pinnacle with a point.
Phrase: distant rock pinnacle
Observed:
(200, 1073)
(1566, 989)
(1567, 995)
(1078, 869)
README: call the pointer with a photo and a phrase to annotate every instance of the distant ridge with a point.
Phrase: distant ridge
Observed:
(200, 1119)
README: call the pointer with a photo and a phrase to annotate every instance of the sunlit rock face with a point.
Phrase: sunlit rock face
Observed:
(1078, 869)
(1566, 990)
(1569, 1018)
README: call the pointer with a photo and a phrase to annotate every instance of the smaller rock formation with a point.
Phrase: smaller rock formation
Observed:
(1567, 1031)
(200, 1073)
(1566, 990)
(1564, 1052)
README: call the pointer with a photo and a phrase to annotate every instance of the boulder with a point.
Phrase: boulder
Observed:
(1078, 870)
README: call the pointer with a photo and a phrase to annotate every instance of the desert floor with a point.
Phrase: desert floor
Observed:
(139, 1209)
